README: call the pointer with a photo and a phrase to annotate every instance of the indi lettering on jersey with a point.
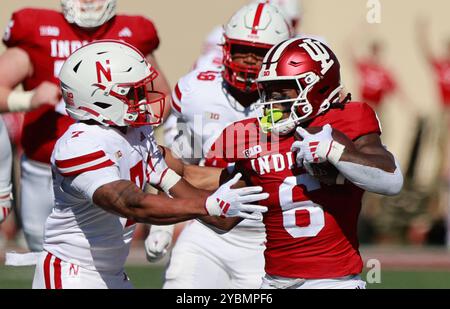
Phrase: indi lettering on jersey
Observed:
(273, 163)
(102, 71)
(64, 48)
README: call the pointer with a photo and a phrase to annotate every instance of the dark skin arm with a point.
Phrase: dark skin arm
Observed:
(369, 151)
(366, 150)
(205, 178)
(125, 199)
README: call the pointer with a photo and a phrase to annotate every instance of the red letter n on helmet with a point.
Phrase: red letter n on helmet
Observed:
(102, 71)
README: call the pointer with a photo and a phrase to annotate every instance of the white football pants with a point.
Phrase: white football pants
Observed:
(349, 282)
(37, 200)
(52, 273)
(201, 259)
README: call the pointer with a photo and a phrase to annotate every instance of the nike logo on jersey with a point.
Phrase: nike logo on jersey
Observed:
(125, 33)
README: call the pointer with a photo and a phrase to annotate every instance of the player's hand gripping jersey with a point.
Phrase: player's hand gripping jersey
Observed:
(311, 227)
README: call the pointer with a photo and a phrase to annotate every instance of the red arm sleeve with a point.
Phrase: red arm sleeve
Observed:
(17, 32)
(149, 36)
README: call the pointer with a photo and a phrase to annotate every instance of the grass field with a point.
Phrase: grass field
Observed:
(146, 277)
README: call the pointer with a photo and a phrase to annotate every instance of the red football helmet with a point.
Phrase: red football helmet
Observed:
(312, 69)
(255, 29)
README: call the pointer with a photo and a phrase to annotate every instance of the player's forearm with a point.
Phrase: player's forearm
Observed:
(206, 178)
(164, 210)
(373, 173)
(220, 225)
(384, 162)
(127, 200)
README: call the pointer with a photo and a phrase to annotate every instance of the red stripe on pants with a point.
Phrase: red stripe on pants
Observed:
(57, 273)
(47, 271)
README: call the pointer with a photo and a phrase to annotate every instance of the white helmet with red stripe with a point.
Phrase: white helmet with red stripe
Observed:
(257, 26)
(112, 83)
(291, 9)
(88, 13)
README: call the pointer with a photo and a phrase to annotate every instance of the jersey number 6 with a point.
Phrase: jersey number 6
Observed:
(301, 218)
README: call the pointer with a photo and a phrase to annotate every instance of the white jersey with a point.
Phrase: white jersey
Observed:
(85, 158)
(204, 109)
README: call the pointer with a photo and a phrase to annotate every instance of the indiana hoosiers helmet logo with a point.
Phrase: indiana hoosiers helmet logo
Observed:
(88, 14)
(112, 83)
(307, 66)
(254, 28)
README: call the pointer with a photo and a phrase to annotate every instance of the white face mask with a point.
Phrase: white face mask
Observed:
(88, 15)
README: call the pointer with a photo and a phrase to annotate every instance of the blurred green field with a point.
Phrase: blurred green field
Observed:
(147, 277)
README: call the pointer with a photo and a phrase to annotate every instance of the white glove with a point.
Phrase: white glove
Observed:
(158, 241)
(317, 148)
(228, 202)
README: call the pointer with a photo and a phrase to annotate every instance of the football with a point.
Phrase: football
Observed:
(326, 172)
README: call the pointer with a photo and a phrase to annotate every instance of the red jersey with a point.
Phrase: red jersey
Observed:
(311, 227)
(375, 82)
(49, 39)
(442, 70)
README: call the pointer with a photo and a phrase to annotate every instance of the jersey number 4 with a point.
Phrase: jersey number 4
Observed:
(301, 218)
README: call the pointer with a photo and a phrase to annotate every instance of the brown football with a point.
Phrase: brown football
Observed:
(327, 172)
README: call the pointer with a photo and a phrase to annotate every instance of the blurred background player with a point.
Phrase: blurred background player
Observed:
(39, 41)
(376, 80)
(5, 172)
(440, 65)
(205, 102)
(311, 223)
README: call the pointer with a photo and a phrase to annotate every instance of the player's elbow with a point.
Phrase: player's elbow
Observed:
(391, 184)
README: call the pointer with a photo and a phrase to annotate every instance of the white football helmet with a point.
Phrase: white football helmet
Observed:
(257, 26)
(88, 13)
(112, 83)
(291, 9)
